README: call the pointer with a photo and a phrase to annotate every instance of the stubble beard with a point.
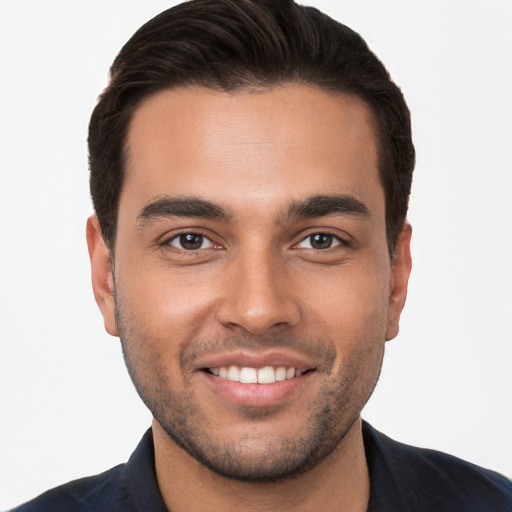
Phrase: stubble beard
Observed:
(332, 415)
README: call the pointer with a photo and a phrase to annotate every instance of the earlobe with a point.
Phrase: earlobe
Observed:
(400, 272)
(101, 273)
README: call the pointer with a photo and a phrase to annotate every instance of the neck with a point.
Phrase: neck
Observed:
(340, 482)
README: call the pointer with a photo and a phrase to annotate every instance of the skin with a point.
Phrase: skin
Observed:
(257, 288)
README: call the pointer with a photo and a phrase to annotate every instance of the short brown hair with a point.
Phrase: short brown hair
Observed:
(243, 44)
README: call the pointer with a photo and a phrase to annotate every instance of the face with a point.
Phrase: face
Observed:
(253, 286)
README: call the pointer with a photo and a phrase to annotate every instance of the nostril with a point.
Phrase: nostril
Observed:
(257, 300)
(259, 320)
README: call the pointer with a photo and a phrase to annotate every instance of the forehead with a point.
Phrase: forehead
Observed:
(251, 148)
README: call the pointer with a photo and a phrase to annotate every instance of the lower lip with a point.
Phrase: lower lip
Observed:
(257, 395)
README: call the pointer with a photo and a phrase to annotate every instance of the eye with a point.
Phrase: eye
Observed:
(191, 242)
(319, 241)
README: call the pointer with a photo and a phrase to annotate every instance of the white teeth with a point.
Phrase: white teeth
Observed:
(266, 375)
(247, 375)
(281, 373)
(233, 373)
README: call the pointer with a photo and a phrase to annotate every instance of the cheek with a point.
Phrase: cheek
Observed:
(352, 302)
(166, 306)
(346, 303)
(352, 311)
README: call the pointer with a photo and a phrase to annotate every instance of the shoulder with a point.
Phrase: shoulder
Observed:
(102, 492)
(130, 486)
(426, 479)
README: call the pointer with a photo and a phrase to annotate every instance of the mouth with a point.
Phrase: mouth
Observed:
(257, 380)
(253, 386)
(250, 375)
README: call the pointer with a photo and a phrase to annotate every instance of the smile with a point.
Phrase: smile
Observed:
(257, 380)
(248, 375)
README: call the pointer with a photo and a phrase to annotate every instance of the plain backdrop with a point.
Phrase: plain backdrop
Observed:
(67, 406)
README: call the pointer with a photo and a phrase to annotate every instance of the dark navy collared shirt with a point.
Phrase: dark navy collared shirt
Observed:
(402, 479)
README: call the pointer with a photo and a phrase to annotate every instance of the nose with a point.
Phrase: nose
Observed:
(258, 296)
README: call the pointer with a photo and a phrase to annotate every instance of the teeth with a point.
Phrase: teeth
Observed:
(247, 375)
(233, 373)
(266, 375)
(281, 373)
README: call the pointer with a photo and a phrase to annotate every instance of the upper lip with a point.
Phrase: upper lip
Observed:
(252, 360)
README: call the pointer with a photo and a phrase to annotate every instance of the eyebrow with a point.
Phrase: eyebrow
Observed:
(315, 206)
(166, 206)
(323, 205)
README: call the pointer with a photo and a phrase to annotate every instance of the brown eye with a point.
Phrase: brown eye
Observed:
(319, 241)
(191, 242)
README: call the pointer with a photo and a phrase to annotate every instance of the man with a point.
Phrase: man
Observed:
(251, 164)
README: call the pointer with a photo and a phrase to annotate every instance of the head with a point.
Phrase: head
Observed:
(232, 45)
(250, 168)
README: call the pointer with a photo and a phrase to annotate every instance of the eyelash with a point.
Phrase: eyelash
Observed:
(168, 242)
(334, 239)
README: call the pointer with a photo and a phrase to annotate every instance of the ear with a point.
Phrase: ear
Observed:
(400, 271)
(102, 276)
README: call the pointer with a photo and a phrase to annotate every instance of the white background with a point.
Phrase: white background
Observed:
(67, 407)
